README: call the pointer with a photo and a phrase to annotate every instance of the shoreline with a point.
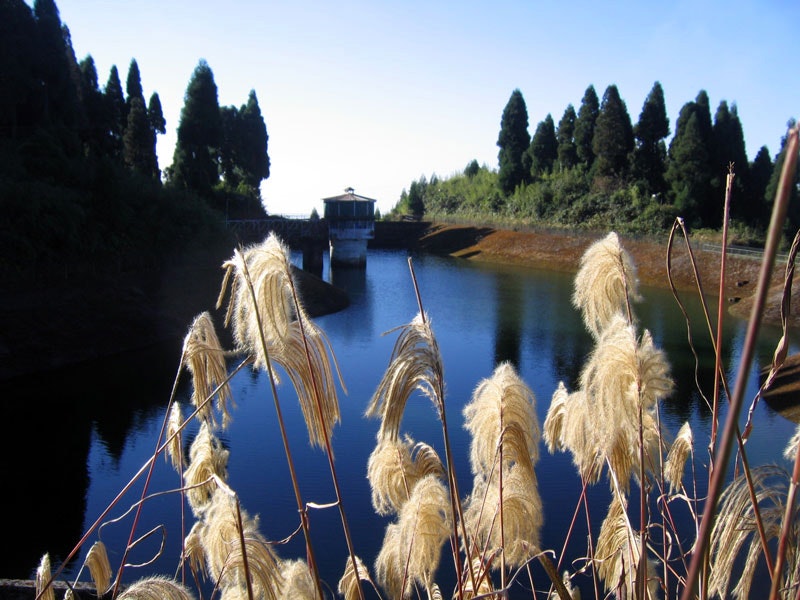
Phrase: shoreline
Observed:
(77, 320)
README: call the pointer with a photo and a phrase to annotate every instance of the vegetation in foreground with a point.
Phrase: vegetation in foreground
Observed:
(610, 425)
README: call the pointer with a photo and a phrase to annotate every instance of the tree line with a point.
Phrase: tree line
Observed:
(80, 175)
(597, 169)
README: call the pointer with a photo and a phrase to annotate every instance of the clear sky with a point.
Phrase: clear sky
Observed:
(375, 94)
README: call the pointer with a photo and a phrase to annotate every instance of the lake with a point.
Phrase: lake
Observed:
(74, 438)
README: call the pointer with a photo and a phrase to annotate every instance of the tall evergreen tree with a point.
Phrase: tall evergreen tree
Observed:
(59, 93)
(687, 173)
(19, 92)
(228, 151)
(133, 86)
(544, 148)
(613, 137)
(584, 126)
(158, 124)
(565, 135)
(115, 111)
(650, 152)
(513, 141)
(793, 212)
(760, 175)
(728, 149)
(253, 140)
(194, 164)
(706, 208)
(138, 140)
(95, 128)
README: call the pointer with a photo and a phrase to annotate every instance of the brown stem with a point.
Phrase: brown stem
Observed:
(328, 447)
(723, 451)
(301, 509)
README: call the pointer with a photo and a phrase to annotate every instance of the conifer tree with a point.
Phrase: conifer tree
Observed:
(229, 121)
(728, 149)
(584, 126)
(687, 174)
(650, 152)
(133, 86)
(694, 177)
(565, 135)
(543, 150)
(194, 164)
(20, 89)
(253, 139)
(60, 95)
(158, 124)
(513, 141)
(793, 213)
(115, 110)
(612, 143)
(760, 175)
(138, 139)
(95, 128)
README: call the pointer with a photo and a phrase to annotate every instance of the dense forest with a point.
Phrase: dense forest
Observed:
(80, 183)
(598, 170)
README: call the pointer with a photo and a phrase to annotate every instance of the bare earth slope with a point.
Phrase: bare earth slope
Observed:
(563, 250)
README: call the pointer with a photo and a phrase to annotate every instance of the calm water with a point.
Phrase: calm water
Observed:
(96, 426)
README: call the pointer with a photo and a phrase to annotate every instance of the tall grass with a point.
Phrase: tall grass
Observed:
(610, 425)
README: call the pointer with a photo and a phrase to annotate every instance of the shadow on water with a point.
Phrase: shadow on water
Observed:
(50, 422)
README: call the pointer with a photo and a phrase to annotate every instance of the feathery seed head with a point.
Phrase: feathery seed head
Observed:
(680, 450)
(174, 452)
(261, 305)
(605, 284)
(415, 364)
(207, 457)
(99, 567)
(156, 588)
(221, 540)
(498, 402)
(205, 359)
(298, 584)
(348, 584)
(43, 577)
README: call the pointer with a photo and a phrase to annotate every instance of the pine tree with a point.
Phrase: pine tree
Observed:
(687, 174)
(253, 158)
(194, 164)
(94, 130)
(584, 126)
(760, 175)
(138, 140)
(20, 89)
(793, 212)
(133, 86)
(158, 124)
(60, 96)
(543, 150)
(565, 135)
(728, 149)
(228, 151)
(115, 109)
(612, 143)
(513, 141)
(650, 152)
(694, 178)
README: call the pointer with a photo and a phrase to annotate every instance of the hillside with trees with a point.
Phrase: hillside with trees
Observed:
(81, 188)
(598, 170)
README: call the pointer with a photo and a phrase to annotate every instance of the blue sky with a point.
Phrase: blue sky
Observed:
(374, 95)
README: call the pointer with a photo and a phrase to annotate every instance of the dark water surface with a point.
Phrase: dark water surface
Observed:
(74, 439)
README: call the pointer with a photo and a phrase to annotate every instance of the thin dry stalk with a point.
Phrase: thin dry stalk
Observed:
(723, 451)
